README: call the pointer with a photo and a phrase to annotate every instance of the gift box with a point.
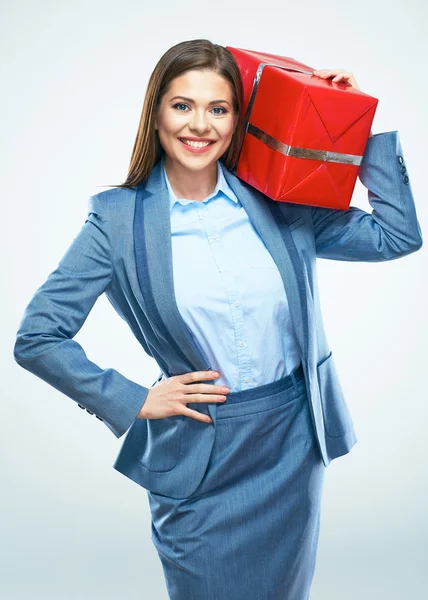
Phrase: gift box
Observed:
(304, 136)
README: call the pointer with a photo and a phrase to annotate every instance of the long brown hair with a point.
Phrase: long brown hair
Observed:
(193, 54)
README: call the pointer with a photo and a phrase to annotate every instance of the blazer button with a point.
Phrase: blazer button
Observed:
(80, 406)
(90, 412)
(403, 169)
(99, 418)
(400, 160)
(406, 179)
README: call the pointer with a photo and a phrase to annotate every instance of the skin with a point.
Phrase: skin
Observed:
(194, 176)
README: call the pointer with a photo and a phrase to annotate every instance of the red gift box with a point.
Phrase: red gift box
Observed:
(304, 136)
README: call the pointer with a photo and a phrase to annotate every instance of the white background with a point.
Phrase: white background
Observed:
(73, 78)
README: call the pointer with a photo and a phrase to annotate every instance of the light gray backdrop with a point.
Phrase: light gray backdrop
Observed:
(73, 77)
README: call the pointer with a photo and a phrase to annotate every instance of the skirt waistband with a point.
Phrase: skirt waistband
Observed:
(257, 400)
(294, 383)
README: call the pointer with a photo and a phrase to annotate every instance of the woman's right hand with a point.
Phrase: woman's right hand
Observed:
(170, 396)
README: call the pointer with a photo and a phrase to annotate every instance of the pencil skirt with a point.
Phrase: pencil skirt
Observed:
(250, 530)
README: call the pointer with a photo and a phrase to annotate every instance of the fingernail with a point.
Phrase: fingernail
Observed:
(216, 374)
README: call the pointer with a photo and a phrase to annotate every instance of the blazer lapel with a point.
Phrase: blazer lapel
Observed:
(153, 252)
(271, 225)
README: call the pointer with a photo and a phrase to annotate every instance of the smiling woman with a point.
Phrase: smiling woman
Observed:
(211, 274)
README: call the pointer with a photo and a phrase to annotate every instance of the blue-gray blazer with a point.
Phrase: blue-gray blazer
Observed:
(124, 250)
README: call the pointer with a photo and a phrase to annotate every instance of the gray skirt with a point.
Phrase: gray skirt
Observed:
(250, 530)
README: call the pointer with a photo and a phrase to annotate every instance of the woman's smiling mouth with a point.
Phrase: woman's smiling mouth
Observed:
(196, 146)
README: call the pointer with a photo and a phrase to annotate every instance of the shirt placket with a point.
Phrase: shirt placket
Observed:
(226, 267)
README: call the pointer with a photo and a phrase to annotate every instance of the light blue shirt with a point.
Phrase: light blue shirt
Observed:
(229, 291)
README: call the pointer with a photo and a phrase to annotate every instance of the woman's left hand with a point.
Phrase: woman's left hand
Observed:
(339, 75)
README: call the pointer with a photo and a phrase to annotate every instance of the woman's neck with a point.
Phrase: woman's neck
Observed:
(192, 185)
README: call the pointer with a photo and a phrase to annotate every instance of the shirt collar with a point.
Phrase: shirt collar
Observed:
(221, 186)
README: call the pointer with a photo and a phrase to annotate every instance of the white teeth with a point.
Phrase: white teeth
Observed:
(196, 144)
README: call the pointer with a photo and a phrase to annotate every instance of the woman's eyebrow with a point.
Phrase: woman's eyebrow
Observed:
(192, 101)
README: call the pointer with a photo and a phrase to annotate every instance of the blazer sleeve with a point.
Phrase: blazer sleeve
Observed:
(392, 229)
(56, 312)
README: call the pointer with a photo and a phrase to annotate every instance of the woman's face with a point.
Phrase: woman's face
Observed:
(197, 104)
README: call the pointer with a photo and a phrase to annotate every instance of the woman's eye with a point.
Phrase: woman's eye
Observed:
(221, 108)
(215, 108)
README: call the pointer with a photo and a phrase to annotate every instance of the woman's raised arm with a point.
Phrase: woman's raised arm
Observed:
(392, 229)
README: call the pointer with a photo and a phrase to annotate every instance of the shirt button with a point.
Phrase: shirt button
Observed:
(213, 236)
(236, 304)
(241, 343)
(247, 379)
(400, 160)
(406, 179)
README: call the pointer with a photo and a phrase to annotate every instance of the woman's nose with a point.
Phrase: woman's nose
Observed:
(199, 122)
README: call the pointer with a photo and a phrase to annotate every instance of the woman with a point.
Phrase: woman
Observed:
(212, 275)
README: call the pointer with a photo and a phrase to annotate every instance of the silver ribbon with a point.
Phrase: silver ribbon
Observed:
(275, 144)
